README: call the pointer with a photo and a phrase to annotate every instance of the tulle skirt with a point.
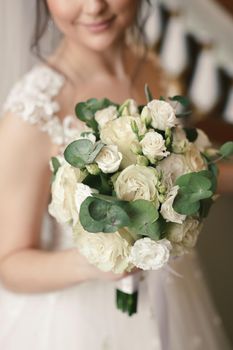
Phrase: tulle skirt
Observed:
(174, 313)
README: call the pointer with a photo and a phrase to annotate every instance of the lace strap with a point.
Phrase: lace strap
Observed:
(32, 98)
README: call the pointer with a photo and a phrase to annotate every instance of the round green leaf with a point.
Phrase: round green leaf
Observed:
(226, 150)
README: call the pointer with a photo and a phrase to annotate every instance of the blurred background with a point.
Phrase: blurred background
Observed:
(194, 39)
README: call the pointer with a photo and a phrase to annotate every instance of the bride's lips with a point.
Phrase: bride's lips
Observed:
(100, 26)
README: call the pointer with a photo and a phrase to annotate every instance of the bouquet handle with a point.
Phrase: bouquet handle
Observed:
(127, 293)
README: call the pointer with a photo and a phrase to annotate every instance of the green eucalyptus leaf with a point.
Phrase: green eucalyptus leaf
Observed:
(97, 148)
(184, 101)
(78, 152)
(183, 206)
(55, 164)
(143, 219)
(97, 215)
(226, 150)
(183, 114)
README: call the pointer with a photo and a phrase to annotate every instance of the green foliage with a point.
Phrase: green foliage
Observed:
(143, 218)
(97, 215)
(149, 96)
(56, 165)
(81, 152)
(183, 114)
(101, 182)
(85, 111)
(191, 134)
(226, 150)
(184, 101)
(193, 188)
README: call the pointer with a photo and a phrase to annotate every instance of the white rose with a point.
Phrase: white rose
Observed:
(202, 142)
(180, 141)
(194, 160)
(107, 251)
(150, 255)
(173, 166)
(109, 159)
(81, 193)
(119, 132)
(137, 182)
(184, 236)
(162, 114)
(62, 206)
(167, 211)
(153, 146)
(105, 115)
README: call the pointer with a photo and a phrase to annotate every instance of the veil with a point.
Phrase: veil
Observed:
(17, 21)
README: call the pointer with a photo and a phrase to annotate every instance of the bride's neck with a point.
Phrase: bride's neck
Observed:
(81, 63)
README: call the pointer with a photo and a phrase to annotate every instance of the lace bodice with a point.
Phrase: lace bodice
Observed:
(33, 99)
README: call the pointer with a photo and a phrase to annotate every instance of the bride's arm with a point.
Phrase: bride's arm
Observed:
(25, 187)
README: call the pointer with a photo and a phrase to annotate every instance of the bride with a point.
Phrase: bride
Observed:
(51, 298)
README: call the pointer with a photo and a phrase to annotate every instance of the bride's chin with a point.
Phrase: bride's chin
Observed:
(98, 43)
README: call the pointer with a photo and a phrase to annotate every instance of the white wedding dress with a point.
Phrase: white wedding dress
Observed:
(174, 313)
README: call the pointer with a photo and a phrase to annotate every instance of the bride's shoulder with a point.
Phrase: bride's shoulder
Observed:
(33, 97)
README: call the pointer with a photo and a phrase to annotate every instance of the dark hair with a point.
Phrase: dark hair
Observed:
(41, 25)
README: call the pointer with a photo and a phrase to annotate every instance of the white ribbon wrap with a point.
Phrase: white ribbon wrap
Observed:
(129, 284)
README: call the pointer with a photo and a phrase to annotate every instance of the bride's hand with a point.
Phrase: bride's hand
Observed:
(91, 272)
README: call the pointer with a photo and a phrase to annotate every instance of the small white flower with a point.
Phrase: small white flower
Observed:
(153, 146)
(109, 159)
(105, 115)
(167, 211)
(162, 115)
(147, 254)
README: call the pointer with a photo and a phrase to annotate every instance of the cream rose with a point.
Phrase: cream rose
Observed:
(147, 254)
(109, 159)
(167, 211)
(194, 160)
(107, 251)
(62, 206)
(173, 166)
(137, 182)
(119, 132)
(81, 193)
(153, 146)
(105, 115)
(162, 115)
(202, 142)
(184, 237)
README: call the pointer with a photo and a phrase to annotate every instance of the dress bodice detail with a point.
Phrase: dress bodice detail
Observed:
(33, 99)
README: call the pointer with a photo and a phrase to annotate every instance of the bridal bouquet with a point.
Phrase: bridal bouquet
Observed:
(135, 186)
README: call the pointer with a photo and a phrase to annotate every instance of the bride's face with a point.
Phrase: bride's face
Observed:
(96, 24)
